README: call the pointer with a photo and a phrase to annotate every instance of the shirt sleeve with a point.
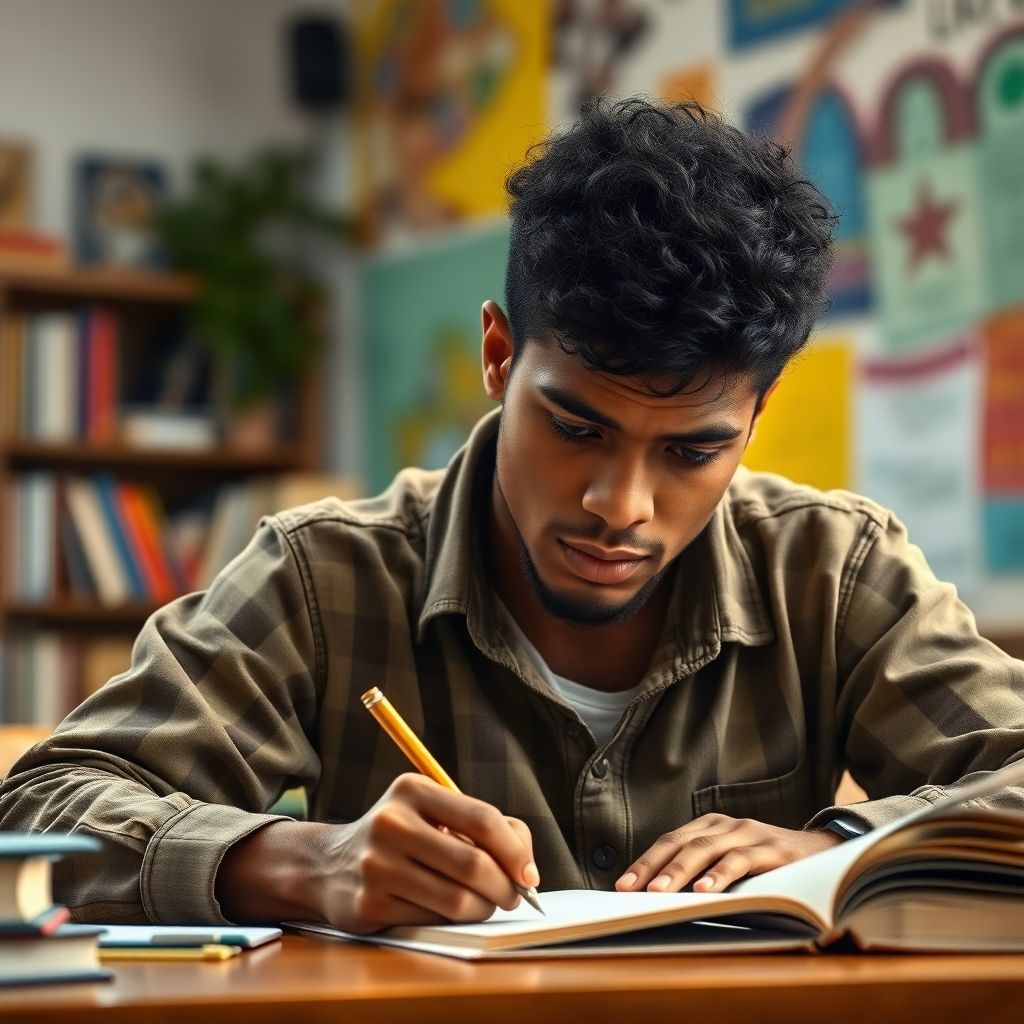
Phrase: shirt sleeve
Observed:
(924, 701)
(179, 757)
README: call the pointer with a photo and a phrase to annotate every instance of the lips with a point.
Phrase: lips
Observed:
(598, 566)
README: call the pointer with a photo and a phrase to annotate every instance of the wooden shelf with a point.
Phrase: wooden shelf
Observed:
(26, 288)
(1011, 641)
(76, 614)
(83, 456)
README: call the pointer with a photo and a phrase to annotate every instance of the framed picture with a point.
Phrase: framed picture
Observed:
(115, 204)
(15, 184)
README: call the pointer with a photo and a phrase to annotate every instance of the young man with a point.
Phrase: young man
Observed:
(647, 666)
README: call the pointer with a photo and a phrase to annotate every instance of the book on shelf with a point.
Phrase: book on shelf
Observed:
(23, 249)
(946, 878)
(33, 536)
(97, 540)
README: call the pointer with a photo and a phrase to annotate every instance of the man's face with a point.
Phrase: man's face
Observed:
(602, 484)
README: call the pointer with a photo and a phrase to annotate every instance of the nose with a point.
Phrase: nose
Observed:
(621, 494)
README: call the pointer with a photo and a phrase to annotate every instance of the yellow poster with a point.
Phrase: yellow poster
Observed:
(804, 432)
(449, 98)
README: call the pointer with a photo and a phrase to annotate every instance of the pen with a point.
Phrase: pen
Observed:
(211, 951)
(409, 743)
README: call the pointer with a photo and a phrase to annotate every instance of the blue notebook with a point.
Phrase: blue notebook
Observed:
(163, 936)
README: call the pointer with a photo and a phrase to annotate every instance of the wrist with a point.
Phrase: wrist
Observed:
(274, 874)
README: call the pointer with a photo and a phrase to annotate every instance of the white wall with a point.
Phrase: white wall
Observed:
(166, 79)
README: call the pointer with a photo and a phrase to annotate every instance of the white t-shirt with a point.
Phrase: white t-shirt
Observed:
(600, 711)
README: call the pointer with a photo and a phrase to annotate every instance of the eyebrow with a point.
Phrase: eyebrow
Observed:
(712, 433)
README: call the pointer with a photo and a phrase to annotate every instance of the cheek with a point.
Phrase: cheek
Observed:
(541, 482)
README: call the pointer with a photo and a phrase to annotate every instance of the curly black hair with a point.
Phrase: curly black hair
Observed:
(661, 242)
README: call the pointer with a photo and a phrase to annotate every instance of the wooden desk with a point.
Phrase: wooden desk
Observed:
(304, 979)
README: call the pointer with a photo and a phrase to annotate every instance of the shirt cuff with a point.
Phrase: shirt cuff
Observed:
(870, 813)
(180, 864)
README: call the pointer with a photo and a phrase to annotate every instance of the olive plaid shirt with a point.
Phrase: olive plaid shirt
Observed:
(804, 636)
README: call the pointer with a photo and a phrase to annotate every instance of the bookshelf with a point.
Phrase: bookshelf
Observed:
(140, 303)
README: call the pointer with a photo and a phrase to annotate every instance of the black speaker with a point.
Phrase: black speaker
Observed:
(319, 51)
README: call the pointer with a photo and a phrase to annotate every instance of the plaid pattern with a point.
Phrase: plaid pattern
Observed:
(805, 635)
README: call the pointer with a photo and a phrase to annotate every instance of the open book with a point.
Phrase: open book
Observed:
(949, 877)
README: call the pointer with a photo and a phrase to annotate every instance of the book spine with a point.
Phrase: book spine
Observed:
(97, 541)
(84, 360)
(106, 492)
(102, 418)
(146, 504)
(145, 543)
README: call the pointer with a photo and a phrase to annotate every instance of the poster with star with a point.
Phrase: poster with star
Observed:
(925, 238)
(422, 333)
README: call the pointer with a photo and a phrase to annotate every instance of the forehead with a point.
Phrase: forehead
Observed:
(713, 395)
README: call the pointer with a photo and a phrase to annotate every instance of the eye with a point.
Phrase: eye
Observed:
(696, 457)
(574, 432)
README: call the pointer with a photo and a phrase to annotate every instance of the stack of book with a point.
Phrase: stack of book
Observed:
(36, 944)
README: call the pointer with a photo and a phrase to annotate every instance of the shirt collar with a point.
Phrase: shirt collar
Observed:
(716, 597)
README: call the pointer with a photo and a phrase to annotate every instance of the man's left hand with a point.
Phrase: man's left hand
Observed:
(714, 851)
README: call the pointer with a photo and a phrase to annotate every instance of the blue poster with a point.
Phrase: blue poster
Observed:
(755, 21)
(831, 155)
(421, 327)
(1004, 534)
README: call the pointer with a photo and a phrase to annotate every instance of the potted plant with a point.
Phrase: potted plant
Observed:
(245, 233)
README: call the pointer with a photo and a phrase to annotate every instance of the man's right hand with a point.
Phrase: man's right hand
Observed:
(406, 861)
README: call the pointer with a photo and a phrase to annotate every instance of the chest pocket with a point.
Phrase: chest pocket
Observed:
(787, 800)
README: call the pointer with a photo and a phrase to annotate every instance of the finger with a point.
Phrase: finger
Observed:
(522, 830)
(478, 821)
(649, 865)
(738, 863)
(395, 876)
(464, 864)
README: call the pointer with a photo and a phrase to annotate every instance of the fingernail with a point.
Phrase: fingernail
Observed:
(705, 884)
(628, 879)
(661, 882)
(531, 876)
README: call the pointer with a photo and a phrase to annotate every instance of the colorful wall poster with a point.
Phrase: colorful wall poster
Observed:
(421, 325)
(1004, 534)
(918, 427)
(832, 156)
(591, 42)
(924, 222)
(999, 97)
(1003, 460)
(804, 431)
(758, 21)
(449, 97)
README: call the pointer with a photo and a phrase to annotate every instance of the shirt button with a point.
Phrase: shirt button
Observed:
(599, 769)
(572, 727)
(603, 856)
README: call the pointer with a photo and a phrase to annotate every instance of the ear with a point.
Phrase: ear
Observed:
(760, 409)
(497, 349)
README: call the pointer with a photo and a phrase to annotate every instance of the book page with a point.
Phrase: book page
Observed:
(583, 913)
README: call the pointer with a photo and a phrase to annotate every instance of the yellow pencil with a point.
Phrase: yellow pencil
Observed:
(410, 744)
(211, 951)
